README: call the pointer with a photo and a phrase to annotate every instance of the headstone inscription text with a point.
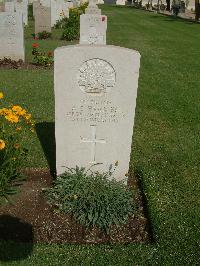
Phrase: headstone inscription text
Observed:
(93, 25)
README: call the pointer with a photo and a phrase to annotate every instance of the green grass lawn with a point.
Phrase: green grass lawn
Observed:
(166, 141)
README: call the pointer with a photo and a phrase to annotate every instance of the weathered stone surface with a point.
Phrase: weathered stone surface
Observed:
(59, 10)
(93, 25)
(2, 7)
(35, 5)
(93, 29)
(22, 7)
(9, 7)
(11, 35)
(42, 19)
(121, 2)
(95, 99)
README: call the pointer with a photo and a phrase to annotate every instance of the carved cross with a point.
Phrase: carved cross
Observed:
(93, 140)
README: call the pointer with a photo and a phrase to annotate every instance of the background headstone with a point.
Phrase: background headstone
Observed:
(93, 26)
(9, 6)
(2, 7)
(11, 35)
(35, 5)
(42, 19)
(95, 98)
(121, 2)
(22, 7)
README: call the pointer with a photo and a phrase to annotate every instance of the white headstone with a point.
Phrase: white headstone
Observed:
(11, 35)
(9, 7)
(59, 10)
(95, 99)
(35, 5)
(46, 3)
(121, 2)
(190, 5)
(93, 25)
(22, 7)
(42, 19)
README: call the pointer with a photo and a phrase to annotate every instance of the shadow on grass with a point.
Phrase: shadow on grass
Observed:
(13, 231)
(46, 134)
(139, 177)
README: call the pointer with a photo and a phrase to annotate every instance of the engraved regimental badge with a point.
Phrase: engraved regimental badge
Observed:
(96, 77)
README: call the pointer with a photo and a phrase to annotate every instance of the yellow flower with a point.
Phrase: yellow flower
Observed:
(28, 116)
(12, 118)
(18, 110)
(2, 144)
(5, 111)
(16, 145)
(1, 95)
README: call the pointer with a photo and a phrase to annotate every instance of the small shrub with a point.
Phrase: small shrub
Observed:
(71, 25)
(91, 198)
(14, 124)
(42, 35)
(40, 58)
(70, 34)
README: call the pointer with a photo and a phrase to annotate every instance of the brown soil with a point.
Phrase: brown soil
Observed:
(7, 63)
(29, 218)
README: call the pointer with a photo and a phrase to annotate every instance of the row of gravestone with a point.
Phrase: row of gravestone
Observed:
(95, 97)
(13, 17)
(47, 13)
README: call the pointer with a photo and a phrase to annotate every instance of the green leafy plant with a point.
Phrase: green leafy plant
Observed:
(92, 198)
(71, 25)
(40, 58)
(14, 124)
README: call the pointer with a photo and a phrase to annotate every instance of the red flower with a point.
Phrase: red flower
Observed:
(103, 18)
(35, 45)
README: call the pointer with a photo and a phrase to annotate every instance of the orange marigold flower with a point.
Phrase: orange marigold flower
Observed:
(1, 95)
(18, 110)
(12, 118)
(35, 45)
(2, 144)
(5, 111)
